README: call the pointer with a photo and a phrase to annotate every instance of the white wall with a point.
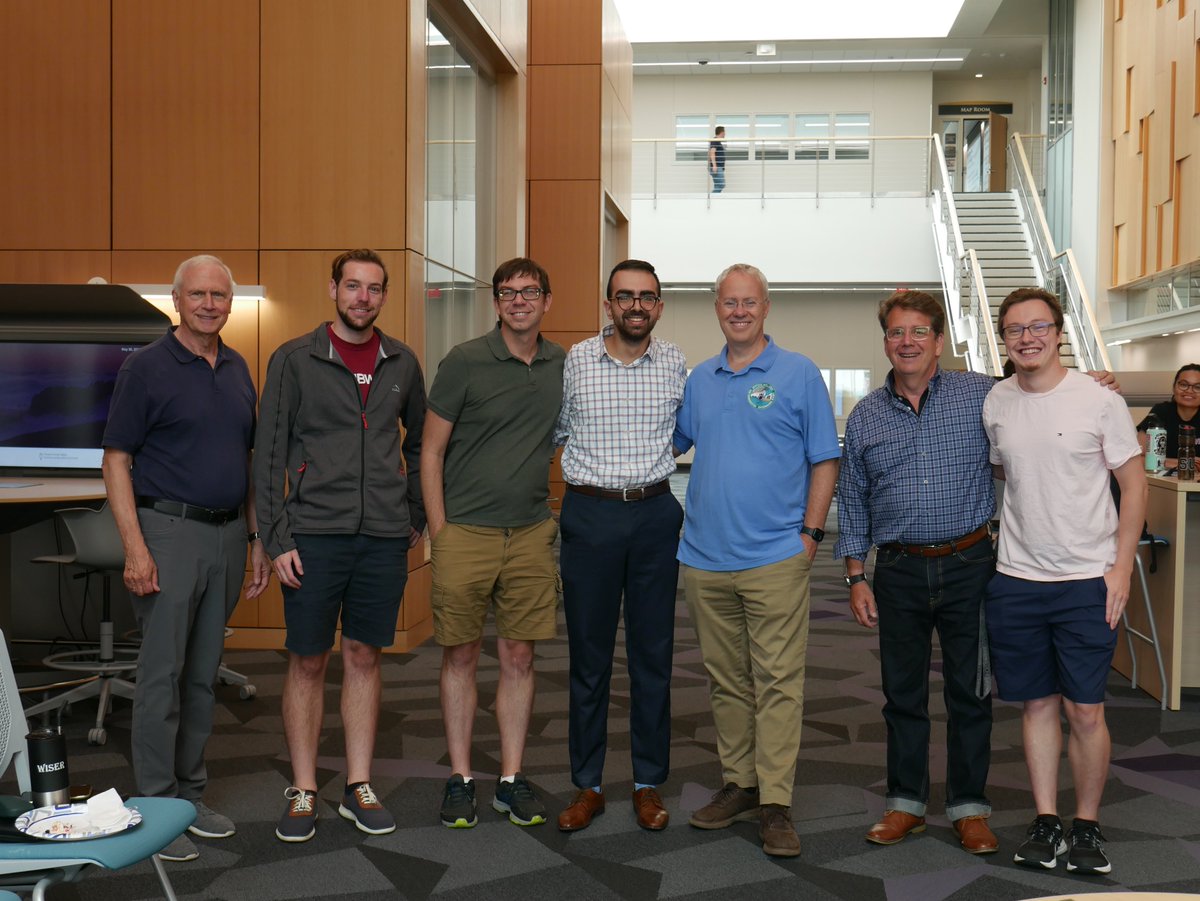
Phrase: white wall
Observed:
(843, 241)
(899, 102)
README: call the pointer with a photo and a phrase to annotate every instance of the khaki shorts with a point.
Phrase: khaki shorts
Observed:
(512, 568)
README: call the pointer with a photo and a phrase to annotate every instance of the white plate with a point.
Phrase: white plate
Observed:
(71, 823)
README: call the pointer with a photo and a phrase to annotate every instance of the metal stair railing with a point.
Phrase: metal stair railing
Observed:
(1060, 270)
(968, 316)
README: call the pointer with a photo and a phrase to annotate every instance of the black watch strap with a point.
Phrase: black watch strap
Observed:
(816, 535)
(853, 580)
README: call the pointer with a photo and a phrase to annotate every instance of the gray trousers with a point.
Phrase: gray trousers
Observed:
(200, 572)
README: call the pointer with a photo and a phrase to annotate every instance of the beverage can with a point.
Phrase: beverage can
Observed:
(1156, 448)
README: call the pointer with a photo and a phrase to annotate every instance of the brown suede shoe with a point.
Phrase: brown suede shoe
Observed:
(975, 836)
(894, 826)
(578, 814)
(728, 805)
(650, 811)
(776, 831)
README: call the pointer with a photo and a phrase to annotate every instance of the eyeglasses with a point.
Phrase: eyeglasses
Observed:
(748, 304)
(917, 333)
(625, 299)
(1188, 387)
(1037, 329)
(529, 292)
(199, 296)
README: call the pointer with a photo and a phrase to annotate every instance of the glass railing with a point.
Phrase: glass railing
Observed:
(1172, 291)
(1060, 271)
(875, 167)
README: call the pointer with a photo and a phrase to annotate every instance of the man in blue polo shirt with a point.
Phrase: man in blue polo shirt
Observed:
(761, 485)
(176, 456)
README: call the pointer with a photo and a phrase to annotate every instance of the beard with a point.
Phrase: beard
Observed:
(355, 326)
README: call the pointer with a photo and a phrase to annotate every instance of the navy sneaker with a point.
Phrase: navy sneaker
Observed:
(458, 803)
(360, 804)
(299, 821)
(517, 799)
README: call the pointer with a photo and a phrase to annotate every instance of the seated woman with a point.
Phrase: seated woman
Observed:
(1179, 410)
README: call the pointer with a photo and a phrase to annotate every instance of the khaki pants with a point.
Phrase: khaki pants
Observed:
(753, 631)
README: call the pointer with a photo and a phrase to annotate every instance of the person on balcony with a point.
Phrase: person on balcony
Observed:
(716, 160)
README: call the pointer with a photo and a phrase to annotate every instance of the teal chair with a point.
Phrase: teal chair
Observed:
(35, 866)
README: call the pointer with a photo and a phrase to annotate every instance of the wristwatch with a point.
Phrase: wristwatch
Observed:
(815, 534)
(853, 580)
(252, 536)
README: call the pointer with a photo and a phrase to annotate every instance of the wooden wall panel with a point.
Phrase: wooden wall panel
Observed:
(565, 32)
(564, 121)
(412, 286)
(514, 31)
(54, 146)
(414, 154)
(1154, 77)
(333, 124)
(564, 236)
(185, 124)
(54, 267)
(512, 99)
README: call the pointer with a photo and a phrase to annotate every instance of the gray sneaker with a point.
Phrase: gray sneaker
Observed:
(180, 850)
(729, 805)
(209, 823)
(299, 821)
(360, 804)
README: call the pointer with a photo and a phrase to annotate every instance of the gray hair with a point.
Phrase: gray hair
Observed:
(747, 269)
(200, 260)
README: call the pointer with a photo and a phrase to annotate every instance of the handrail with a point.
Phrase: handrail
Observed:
(940, 156)
(983, 314)
(1089, 348)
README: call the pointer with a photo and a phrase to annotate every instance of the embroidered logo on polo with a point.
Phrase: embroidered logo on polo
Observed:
(761, 396)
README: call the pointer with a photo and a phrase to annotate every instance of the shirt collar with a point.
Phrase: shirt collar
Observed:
(183, 355)
(500, 351)
(651, 348)
(763, 361)
(930, 389)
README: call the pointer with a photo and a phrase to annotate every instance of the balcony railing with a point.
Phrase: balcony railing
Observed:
(816, 168)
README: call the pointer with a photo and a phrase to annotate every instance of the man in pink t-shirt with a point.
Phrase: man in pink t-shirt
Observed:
(1063, 567)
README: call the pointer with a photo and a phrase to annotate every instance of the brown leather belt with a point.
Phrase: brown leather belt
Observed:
(622, 494)
(941, 548)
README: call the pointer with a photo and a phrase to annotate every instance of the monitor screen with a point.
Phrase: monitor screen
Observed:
(54, 401)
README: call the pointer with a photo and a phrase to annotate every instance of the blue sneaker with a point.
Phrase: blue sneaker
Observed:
(517, 799)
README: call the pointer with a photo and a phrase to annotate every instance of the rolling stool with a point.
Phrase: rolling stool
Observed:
(1153, 542)
(98, 549)
(225, 675)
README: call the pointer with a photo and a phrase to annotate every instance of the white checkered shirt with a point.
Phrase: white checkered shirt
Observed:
(617, 420)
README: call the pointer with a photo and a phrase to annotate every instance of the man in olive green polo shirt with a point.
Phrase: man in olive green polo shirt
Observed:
(485, 468)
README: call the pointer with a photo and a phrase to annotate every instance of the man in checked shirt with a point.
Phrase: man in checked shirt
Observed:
(620, 530)
(916, 483)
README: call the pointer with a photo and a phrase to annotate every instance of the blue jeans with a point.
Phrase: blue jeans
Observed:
(718, 177)
(916, 595)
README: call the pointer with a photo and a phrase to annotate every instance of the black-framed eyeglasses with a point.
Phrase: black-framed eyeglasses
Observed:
(646, 300)
(1037, 329)
(529, 292)
(1187, 387)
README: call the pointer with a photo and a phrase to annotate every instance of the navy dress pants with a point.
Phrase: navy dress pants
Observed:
(614, 549)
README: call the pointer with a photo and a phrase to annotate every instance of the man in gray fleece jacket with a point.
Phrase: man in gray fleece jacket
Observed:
(338, 534)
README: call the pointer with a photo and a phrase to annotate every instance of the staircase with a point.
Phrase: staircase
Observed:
(991, 226)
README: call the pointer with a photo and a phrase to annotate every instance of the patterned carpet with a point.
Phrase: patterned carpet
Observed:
(1151, 812)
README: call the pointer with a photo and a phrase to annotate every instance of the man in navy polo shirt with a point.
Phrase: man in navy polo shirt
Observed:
(333, 404)
(761, 485)
(176, 450)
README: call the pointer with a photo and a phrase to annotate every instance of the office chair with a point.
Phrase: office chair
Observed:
(1154, 542)
(34, 866)
(98, 549)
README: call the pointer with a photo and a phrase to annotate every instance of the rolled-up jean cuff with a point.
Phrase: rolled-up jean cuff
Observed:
(905, 805)
(968, 809)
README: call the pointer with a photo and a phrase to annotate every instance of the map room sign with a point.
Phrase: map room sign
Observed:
(974, 109)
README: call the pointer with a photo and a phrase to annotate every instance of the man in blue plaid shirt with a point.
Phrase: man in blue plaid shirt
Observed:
(916, 483)
(620, 530)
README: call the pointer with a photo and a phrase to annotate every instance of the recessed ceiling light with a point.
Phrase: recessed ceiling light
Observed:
(979, 75)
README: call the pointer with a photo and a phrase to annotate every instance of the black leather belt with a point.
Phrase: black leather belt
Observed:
(622, 494)
(188, 511)
(941, 548)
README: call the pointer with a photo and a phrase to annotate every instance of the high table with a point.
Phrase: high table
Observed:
(26, 500)
(1172, 511)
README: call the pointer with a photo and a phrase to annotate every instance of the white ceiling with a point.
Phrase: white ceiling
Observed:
(994, 37)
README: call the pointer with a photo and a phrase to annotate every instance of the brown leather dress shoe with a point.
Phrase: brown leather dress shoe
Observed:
(578, 814)
(975, 836)
(650, 811)
(894, 826)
